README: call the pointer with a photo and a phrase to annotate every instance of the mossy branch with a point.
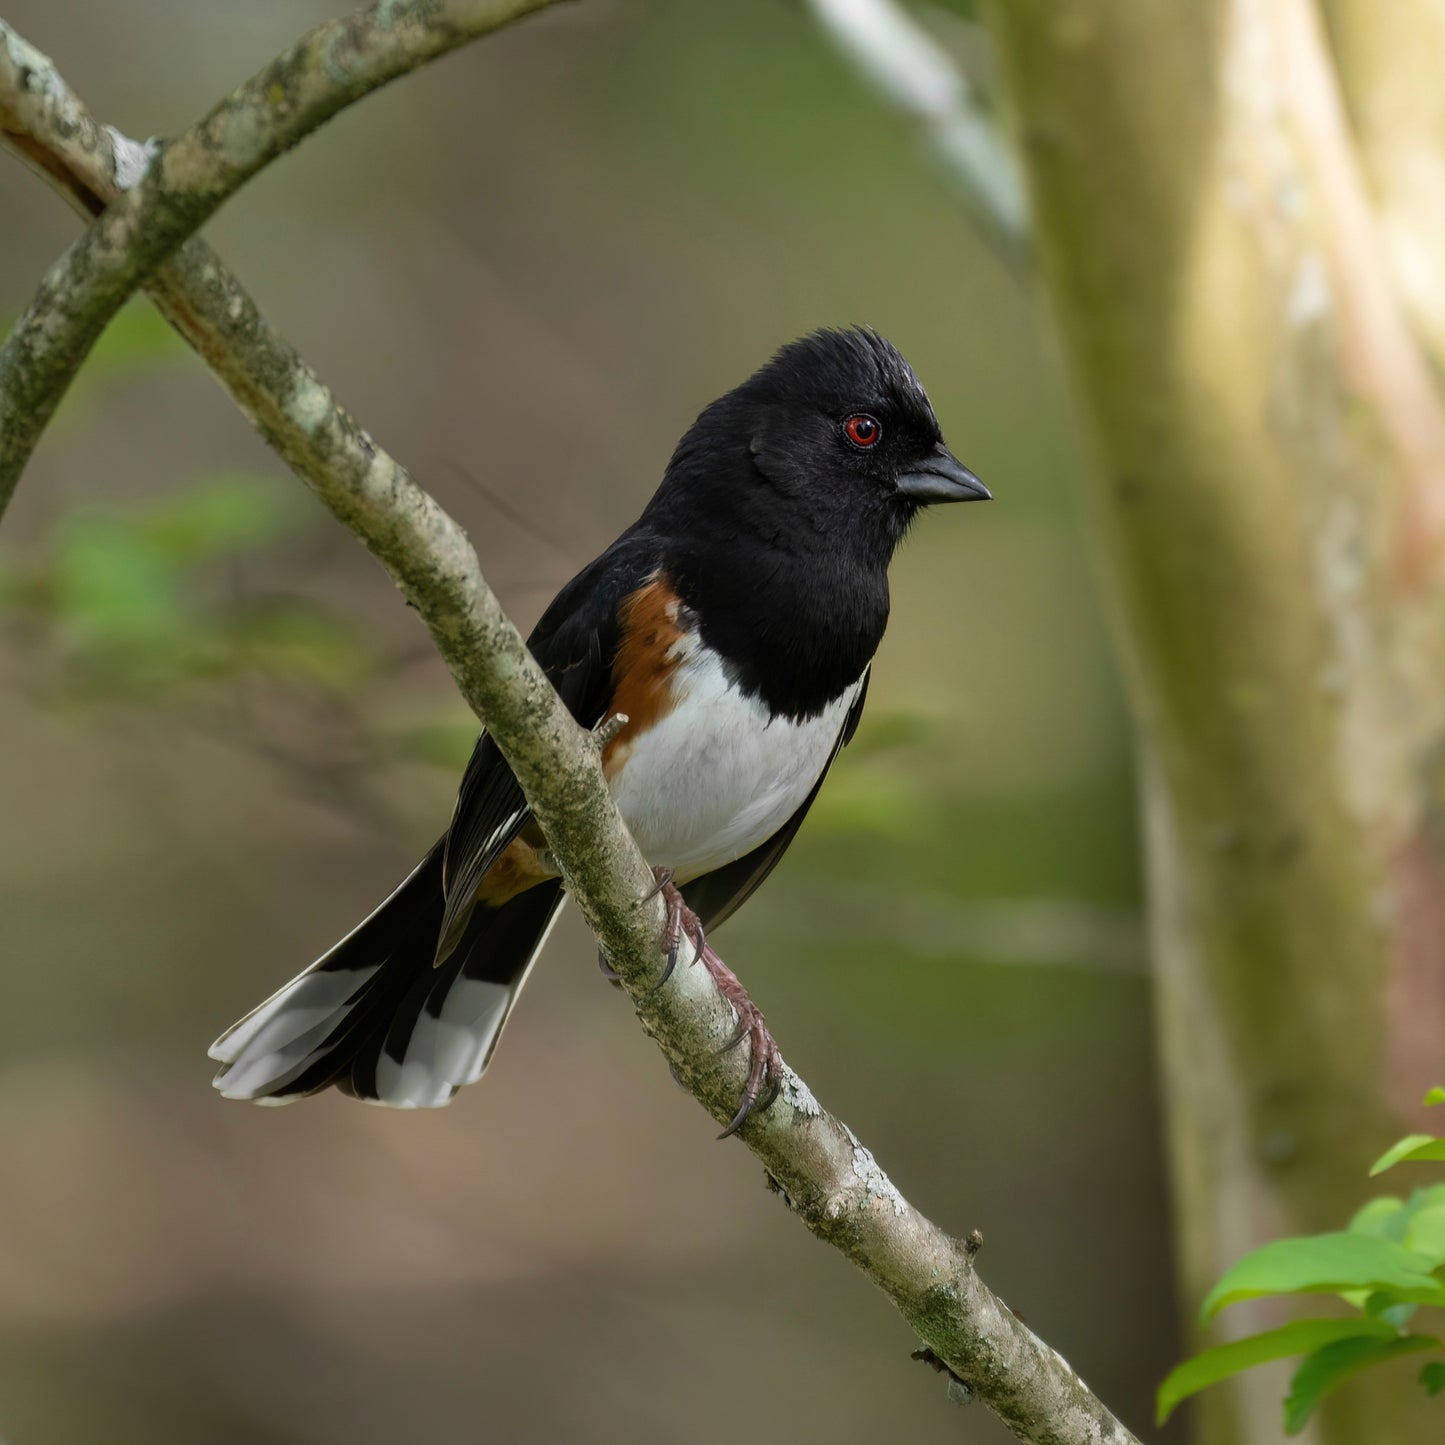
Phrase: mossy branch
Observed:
(829, 1179)
(329, 68)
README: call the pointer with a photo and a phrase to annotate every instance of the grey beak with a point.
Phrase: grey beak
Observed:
(941, 477)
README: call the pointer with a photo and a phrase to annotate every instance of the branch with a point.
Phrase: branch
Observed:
(1386, 57)
(1379, 357)
(827, 1177)
(1195, 220)
(909, 68)
(326, 70)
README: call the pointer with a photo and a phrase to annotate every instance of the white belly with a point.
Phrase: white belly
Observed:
(716, 777)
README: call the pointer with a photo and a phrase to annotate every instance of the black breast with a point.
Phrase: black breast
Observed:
(786, 575)
(794, 628)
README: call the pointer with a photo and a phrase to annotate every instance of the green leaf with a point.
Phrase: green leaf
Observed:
(1426, 1234)
(1381, 1302)
(1324, 1264)
(1433, 1377)
(1328, 1368)
(1435, 1096)
(1432, 1197)
(1380, 1217)
(1300, 1338)
(1411, 1147)
(1387, 1305)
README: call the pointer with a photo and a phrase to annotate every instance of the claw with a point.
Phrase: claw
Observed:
(747, 1102)
(738, 1035)
(664, 880)
(764, 1078)
(608, 972)
(667, 969)
(681, 923)
(759, 1069)
(738, 1119)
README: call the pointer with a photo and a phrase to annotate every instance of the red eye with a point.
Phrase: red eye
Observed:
(862, 430)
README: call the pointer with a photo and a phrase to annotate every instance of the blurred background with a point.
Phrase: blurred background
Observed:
(526, 269)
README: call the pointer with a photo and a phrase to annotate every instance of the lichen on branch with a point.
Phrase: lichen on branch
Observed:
(328, 69)
(829, 1179)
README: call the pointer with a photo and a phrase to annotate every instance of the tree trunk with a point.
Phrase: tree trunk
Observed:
(1269, 493)
(1389, 58)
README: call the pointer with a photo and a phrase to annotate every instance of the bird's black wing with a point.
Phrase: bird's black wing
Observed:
(574, 641)
(716, 896)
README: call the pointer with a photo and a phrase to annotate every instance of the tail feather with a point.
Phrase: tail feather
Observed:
(376, 1018)
(441, 1034)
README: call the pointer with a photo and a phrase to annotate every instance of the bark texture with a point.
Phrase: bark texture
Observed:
(1388, 57)
(1269, 489)
(827, 1177)
(326, 70)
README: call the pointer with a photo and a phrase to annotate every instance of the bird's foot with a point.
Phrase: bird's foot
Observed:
(608, 972)
(765, 1062)
(681, 923)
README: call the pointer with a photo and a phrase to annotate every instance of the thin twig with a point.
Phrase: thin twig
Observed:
(912, 71)
(326, 70)
(828, 1178)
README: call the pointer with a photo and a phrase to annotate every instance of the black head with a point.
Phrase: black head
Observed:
(834, 437)
(782, 507)
(841, 416)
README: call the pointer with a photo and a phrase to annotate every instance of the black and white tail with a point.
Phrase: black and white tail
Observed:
(378, 1018)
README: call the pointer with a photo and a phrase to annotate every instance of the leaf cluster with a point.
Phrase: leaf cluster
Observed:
(137, 600)
(1384, 1267)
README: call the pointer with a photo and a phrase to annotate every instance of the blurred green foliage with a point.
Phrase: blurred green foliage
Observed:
(132, 600)
(1385, 1265)
(212, 1273)
(129, 602)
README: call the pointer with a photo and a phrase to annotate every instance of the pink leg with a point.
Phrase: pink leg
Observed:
(765, 1061)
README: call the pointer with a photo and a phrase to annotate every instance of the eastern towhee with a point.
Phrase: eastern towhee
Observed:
(733, 624)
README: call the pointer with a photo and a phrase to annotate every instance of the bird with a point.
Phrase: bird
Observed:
(726, 638)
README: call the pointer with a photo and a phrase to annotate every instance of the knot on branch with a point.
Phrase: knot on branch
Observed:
(605, 731)
(959, 1390)
(132, 158)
